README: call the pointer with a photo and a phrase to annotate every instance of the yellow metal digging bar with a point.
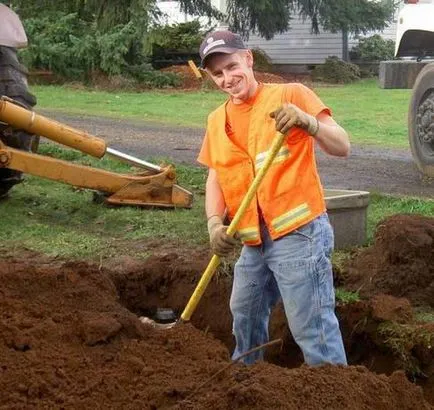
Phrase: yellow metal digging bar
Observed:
(215, 260)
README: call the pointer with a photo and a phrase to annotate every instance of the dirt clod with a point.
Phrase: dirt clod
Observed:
(400, 263)
(389, 308)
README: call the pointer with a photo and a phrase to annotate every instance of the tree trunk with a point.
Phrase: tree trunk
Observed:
(345, 51)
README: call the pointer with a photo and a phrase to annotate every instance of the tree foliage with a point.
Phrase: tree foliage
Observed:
(269, 17)
(74, 37)
(265, 17)
(352, 16)
(106, 13)
(373, 48)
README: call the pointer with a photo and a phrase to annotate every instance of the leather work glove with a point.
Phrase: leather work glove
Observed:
(289, 115)
(221, 243)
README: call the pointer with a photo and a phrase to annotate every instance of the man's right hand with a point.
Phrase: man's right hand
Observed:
(221, 243)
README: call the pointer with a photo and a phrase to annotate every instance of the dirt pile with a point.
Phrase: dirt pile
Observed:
(400, 263)
(191, 82)
(66, 341)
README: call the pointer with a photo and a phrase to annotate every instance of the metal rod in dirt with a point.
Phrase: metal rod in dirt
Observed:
(133, 160)
(255, 349)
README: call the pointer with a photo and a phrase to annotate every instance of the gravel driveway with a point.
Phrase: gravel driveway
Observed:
(369, 169)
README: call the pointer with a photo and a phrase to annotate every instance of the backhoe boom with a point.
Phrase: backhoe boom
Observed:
(154, 187)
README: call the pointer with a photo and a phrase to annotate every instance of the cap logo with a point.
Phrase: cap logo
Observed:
(212, 44)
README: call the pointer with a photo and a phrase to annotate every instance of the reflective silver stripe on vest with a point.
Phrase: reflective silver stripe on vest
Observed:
(291, 218)
(280, 157)
(248, 234)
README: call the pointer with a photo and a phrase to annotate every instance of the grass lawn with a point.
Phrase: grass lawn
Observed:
(58, 219)
(370, 114)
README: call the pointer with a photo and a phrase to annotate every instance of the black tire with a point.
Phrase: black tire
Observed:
(421, 121)
(13, 84)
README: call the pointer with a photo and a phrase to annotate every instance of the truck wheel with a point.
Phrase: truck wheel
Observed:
(421, 121)
(13, 84)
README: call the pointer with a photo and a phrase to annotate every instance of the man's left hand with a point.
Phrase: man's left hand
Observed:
(289, 115)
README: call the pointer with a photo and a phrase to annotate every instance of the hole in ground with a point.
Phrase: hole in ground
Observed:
(168, 282)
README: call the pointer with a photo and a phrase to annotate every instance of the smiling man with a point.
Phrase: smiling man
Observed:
(286, 233)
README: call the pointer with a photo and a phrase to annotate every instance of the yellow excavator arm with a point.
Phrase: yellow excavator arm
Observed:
(154, 187)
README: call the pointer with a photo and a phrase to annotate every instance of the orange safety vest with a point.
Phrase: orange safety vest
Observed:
(290, 195)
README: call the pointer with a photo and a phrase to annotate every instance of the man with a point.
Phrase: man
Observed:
(286, 233)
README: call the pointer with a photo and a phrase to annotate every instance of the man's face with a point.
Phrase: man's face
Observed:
(233, 73)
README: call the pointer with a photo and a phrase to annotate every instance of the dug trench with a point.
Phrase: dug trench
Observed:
(71, 338)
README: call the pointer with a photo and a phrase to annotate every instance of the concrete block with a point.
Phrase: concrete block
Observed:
(347, 211)
(399, 73)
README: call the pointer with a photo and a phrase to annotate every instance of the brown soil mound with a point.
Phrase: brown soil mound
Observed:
(400, 263)
(67, 342)
(191, 82)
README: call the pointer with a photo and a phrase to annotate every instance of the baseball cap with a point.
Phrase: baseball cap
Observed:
(221, 41)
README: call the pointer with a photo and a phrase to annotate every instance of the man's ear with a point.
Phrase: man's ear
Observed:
(249, 58)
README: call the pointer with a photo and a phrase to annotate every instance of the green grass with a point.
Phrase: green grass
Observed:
(57, 219)
(404, 340)
(60, 220)
(175, 108)
(424, 314)
(371, 115)
(344, 297)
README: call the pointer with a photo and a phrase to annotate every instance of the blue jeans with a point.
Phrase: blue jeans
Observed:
(296, 267)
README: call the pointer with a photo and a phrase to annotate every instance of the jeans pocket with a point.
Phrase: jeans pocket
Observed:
(327, 236)
(305, 231)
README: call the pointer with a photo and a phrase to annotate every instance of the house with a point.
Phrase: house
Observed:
(296, 50)
(299, 49)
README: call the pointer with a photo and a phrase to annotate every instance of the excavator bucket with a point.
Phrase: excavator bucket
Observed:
(153, 190)
(154, 187)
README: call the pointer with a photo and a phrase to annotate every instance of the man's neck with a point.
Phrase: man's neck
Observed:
(252, 92)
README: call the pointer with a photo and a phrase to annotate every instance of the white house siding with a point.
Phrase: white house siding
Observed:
(299, 45)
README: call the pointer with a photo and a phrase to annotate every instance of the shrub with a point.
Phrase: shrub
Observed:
(175, 44)
(53, 41)
(146, 76)
(73, 48)
(335, 70)
(114, 47)
(374, 48)
(261, 60)
(177, 37)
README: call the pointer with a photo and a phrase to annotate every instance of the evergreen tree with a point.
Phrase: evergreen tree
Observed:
(269, 17)
(264, 17)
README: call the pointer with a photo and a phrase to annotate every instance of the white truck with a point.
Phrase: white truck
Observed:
(415, 68)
